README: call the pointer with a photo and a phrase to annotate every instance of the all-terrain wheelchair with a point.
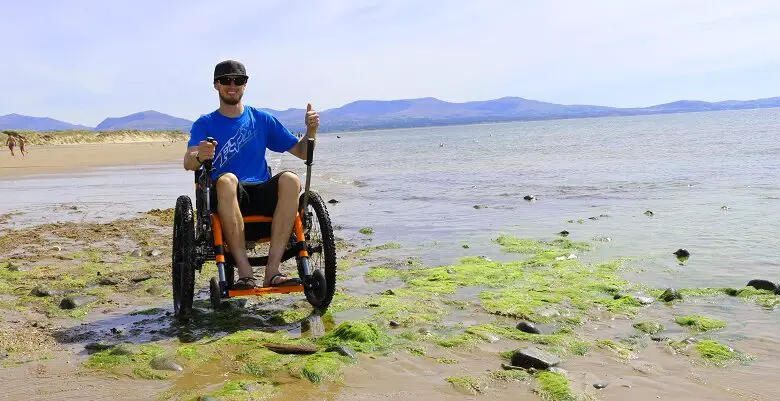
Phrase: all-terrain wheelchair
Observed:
(197, 238)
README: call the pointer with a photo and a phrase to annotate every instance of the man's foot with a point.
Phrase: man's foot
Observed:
(281, 279)
(244, 283)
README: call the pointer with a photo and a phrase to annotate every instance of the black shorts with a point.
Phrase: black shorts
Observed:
(254, 199)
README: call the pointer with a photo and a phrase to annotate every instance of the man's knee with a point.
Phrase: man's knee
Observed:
(227, 185)
(289, 183)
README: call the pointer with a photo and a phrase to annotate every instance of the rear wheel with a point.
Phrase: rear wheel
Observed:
(183, 258)
(322, 253)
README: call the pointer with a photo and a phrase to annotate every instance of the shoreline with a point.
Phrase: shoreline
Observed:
(46, 159)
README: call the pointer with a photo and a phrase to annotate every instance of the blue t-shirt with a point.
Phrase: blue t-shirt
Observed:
(242, 141)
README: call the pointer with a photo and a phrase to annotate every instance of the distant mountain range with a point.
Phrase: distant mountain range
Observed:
(372, 114)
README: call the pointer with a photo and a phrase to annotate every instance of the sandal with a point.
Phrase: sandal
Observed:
(244, 283)
(289, 281)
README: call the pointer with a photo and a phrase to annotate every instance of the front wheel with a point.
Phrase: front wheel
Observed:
(183, 258)
(322, 254)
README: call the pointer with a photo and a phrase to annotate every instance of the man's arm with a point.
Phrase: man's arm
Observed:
(196, 155)
(300, 148)
(191, 159)
(312, 124)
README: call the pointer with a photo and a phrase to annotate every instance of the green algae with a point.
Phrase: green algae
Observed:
(554, 387)
(241, 390)
(527, 246)
(469, 384)
(128, 359)
(380, 273)
(361, 336)
(700, 323)
(714, 351)
(618, 348)
(320, 367)
(366, 230)
(649, 327)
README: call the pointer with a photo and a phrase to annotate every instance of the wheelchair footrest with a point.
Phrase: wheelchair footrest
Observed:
(266, 290)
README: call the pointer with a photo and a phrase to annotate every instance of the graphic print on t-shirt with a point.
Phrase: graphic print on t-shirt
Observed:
(233, 145)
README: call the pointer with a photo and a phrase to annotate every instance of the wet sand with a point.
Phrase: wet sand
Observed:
(45, 159)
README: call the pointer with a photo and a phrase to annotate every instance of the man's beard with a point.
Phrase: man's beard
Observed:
(231, 102)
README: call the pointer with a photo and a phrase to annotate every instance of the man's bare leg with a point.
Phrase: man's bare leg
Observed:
(282, 224)
(232, 222)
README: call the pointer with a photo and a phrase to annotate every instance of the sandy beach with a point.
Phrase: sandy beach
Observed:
(45, 159)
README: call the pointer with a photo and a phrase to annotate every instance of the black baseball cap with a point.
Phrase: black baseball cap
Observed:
(229, 68)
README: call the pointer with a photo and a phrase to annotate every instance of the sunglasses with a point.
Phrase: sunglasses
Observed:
(227, 80)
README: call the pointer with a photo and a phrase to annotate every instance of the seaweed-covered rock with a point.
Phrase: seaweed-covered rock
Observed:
(669, 295)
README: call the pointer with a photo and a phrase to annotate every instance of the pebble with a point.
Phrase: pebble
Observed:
(601, 385)
(528, 327)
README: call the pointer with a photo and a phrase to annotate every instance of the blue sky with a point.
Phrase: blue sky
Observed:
(83, 61)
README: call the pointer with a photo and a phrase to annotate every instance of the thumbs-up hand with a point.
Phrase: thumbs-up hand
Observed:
(312, 121)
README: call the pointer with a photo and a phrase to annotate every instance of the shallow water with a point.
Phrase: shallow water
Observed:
(419, 187)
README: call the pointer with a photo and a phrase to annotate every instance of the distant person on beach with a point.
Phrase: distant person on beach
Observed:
(21, 145)
(243, 183)
(11, 142)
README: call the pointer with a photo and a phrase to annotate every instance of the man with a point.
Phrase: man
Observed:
(243, 184)
(11, 142)
(21, 144)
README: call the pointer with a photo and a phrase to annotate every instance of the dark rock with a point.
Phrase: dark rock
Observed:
(389, 292)
(601, 385)
(41, 290)
(528, 327)
(649, 213)
(142, 277)
(564, 233)
(659, 338)
(74, 302)
(670, 295)
(118, 331)
(593, 218)
(529, 198)
(164, 363)
(762, 285)
(343, 350)
(533, 357)
(109, 281)
(465, 246)
(480, 206)
(393, 323)
(333, 201)
(724, 207)
(373, 305)
(682, 253)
